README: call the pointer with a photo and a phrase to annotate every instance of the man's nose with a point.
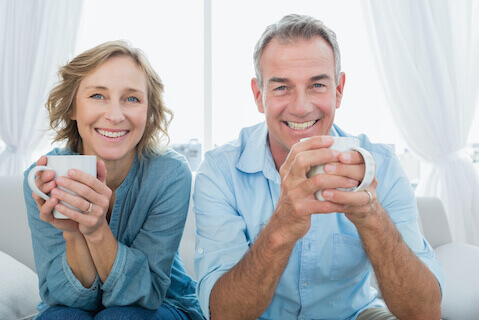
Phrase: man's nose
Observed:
(115, 112)
(300, 104)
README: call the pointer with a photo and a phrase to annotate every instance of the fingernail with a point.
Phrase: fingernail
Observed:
(336, 152)
(329, 168)
(327, 194)
(55, 191)
(328, 139)
(346, 156)
(71, 172)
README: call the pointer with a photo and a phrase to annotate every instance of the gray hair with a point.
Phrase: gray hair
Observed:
(294, 27)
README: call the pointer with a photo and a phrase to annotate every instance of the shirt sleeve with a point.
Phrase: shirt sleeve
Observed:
(396, 196)
(58, 285)
(141, 272)
(221, 239)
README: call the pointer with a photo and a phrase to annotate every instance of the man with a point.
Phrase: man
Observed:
(266, 248)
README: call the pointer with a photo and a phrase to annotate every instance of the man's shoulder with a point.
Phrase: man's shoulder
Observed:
(229, 153)
(380, 151)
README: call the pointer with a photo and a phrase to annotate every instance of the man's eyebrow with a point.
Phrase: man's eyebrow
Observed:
(320, 77)
(275, 79)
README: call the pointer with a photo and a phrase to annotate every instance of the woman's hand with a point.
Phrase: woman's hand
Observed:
(91, 190)
(46, 184)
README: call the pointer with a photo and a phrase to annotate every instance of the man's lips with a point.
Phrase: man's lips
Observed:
(300, 125)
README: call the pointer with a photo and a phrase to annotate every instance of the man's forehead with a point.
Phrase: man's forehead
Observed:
(301, 53)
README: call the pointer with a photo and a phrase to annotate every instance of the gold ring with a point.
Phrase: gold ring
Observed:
(89, 208)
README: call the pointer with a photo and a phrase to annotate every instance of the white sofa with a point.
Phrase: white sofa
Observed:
(19, 285)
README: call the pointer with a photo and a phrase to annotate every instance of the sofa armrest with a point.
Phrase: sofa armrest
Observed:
(433, 221)
(15, 239)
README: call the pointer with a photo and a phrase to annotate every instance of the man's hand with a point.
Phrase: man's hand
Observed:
(356, 205)
(297, 203)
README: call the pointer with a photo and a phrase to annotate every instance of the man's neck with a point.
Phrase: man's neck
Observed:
(279, 154)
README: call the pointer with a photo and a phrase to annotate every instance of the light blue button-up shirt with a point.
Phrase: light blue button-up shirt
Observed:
(328, 275)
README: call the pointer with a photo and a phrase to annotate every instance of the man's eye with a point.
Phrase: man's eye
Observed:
(132, 99)
(281, 88)
(318, 85)
(96, 96)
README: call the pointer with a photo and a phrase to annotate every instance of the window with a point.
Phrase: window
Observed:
(172, 36)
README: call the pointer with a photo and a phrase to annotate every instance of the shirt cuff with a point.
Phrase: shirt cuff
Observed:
(204, 288)
(75, 283)
(413, 237)
(116, 270)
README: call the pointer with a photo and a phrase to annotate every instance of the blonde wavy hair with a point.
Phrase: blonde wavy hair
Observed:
(61, 101)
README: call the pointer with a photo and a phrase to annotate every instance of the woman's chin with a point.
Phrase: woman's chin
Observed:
(112, 156)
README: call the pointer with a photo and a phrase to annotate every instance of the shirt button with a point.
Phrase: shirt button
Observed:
(94, 288)
(200, 250)
(303, 316)
(305, 285)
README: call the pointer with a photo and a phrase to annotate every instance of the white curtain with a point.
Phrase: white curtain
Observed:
(36, 37)
(427, 55)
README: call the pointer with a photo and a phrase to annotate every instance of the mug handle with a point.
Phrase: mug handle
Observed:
(33, 185)
(370, 171)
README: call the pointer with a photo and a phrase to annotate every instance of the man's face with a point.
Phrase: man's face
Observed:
(299, 94)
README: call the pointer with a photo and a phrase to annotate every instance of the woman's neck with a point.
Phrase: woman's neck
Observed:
(117, 170)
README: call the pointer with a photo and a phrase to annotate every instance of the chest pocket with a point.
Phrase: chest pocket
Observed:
(348, 257)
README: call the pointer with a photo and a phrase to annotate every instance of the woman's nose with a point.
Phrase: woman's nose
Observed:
(115, 112)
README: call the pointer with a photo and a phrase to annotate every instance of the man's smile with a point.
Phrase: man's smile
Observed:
(300, 125)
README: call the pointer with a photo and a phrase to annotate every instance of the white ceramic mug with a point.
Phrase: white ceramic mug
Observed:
(60, 165)
(349, 144)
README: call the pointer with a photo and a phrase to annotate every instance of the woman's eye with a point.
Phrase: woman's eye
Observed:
(132, 99)
(96, 96)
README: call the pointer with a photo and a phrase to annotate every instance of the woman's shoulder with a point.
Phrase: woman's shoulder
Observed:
(167, 166)
(168, 159)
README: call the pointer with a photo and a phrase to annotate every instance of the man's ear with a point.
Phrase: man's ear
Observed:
(258, 96)
(339, 89)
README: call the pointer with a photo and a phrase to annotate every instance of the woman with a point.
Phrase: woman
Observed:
(119, 258)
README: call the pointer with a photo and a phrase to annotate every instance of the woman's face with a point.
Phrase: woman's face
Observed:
(111, 109)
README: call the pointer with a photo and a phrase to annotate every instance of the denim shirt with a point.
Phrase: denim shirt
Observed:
(328, 274)
(147, 220)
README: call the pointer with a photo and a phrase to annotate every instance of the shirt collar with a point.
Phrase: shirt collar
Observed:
(256, 155)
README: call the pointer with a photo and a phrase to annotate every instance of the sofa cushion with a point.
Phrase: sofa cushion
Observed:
(461, 295)
(18, 289)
